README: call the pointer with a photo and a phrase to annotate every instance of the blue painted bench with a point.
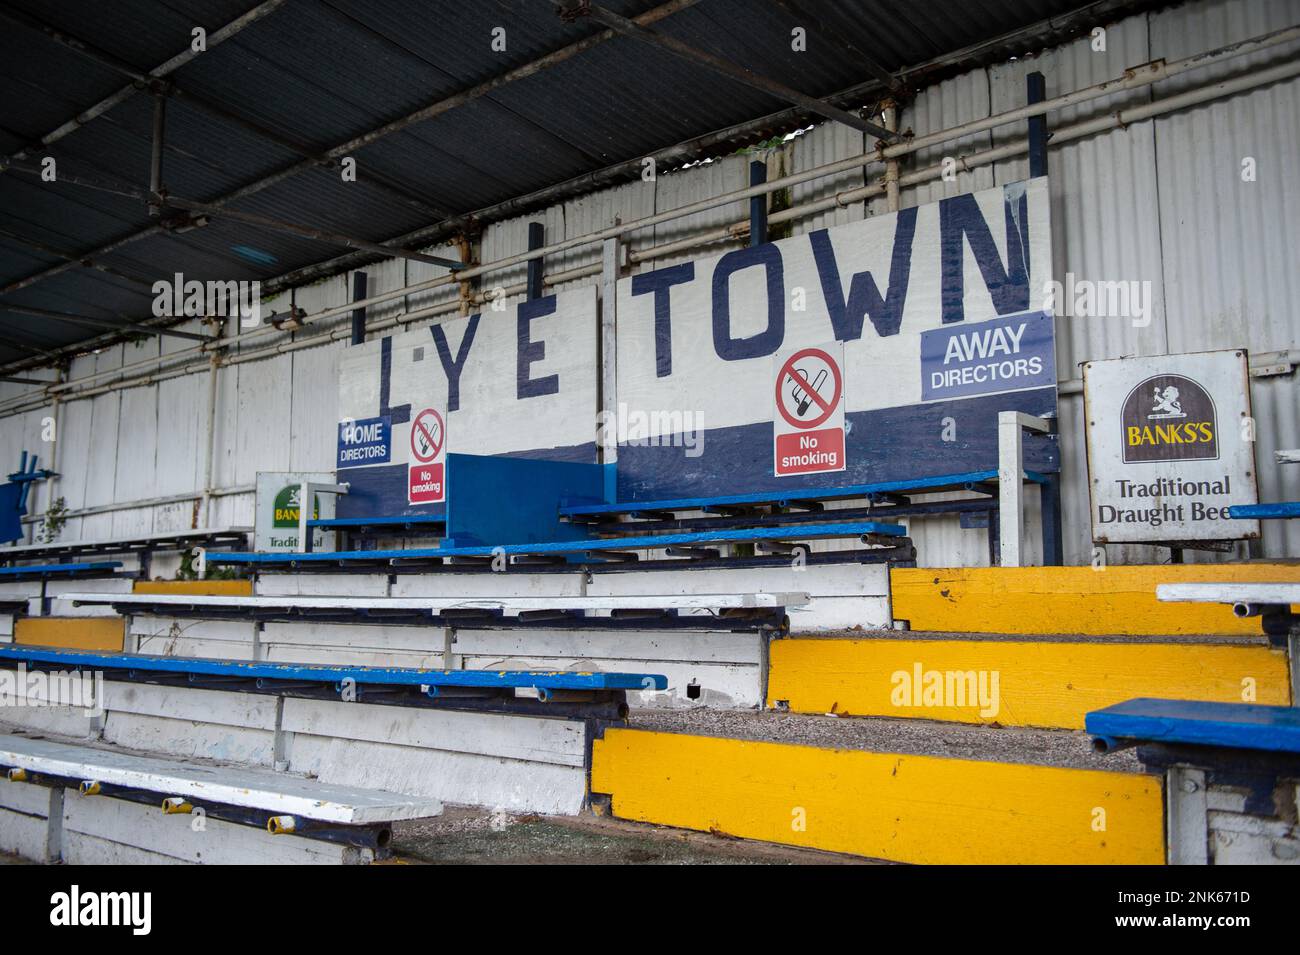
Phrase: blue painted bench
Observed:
(967, 480)
(887, 500)
(1284, 510)
(1193, 723)
(399, 523)
(181, 540)
(1229, 774)
(575, 549)
(103, 568)
(351, 528)
(333, 673)
(745, 611)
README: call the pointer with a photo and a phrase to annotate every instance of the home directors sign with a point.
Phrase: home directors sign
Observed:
(1170, 447)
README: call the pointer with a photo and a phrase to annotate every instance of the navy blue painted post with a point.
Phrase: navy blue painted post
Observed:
(1037, 92)
(359, 288)
(1053, 547)
(536, 239)
(757, 204)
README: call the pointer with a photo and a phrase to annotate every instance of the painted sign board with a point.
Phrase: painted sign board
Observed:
(426, 475)
(521, 380)
(368, 441)
(277, 506)
(808, 415)
(938, 311)
(1170, 447)
(999, 355)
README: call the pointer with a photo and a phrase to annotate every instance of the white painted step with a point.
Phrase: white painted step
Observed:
(234, 786)
(506, 604)
(1229, 593)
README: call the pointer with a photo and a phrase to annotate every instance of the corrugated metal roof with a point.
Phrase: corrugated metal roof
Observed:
(318, 74)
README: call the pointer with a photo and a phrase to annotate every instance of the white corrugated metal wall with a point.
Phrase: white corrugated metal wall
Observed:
(1160, 201)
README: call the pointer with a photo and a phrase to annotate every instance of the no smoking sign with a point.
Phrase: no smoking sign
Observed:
(426, 472)
(808, 416)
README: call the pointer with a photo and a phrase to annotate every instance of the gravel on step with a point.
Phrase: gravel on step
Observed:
(1008, 744)
(1244, 640)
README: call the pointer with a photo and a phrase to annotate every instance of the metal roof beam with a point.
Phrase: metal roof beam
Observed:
(309, 232)
(175, 63)
(783, 120)
(207, 209)
(11, 341)
(84, 261)
(125, 325)
(170, 88)
(434, 109)
(877, 71)
(725, 67)
(18, 380)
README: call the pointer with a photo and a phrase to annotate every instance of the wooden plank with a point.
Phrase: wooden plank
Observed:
(317, 673)
(206, 588)
(188, 739)
(81, 849)
(61, 570)
(919, 485)
(1119, 600)
(526, 738)
(106, 544)
(843, 596)
(801, 532)
(618, 646)
(917, 809)
(509, 605)
(192, 704)
(1283, 510)
(1197, 723)
(1012, 682)
(80, 633)
(1230, 593)
(26, 798)
(718, 685)
(25, 836)
(460, 778)
(257, 789)
(113, 831)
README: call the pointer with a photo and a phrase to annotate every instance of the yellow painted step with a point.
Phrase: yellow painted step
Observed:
(1014, 682)
(195, 588)
(1118, 600)
(920, 809)
(78, 633)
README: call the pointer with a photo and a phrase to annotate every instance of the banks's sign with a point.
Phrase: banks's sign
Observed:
(278, 508)
(1170, 447)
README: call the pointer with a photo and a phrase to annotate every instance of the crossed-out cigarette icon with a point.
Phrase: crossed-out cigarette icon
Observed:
(799, 389)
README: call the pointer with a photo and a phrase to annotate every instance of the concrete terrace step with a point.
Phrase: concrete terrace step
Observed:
(1047, 681)
(901, 790)
(211, 782)
(1100, 601)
